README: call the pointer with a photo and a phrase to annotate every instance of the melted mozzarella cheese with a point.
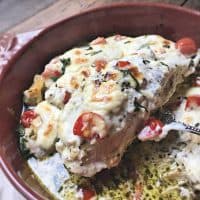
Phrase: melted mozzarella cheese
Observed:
(109, 92)
(47, 126)
(67, 119)
(105, 98)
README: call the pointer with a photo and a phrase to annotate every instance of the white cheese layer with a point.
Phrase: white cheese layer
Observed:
(94, 82)
(46, 124)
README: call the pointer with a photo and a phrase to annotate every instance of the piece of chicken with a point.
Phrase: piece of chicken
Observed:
(106, 92)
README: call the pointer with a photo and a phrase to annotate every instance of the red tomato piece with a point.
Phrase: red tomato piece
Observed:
(66, 97)
(89, 125)
(152, 129)
(186, 46)
(192, 101)
(88, 194)
(99, 40)
(122, 64)
(197, 82)
(50, 73)
(27, 117)
(153, 123)
(100, 64)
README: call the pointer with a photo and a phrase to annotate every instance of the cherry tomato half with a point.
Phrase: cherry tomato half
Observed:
(50, 73)
(89, 125)
(27, 117)
(192, 101)
(186, 46)
(152, 129)
(122, 64)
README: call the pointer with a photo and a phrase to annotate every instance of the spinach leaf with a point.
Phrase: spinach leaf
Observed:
(22, 143)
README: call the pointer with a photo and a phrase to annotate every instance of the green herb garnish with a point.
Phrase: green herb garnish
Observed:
(20, 131)
(22, 143)
(57, 139)
(138, 106)
(54, 78)
(126, 42)
(127, 72)
(65, 62)
(89, 48)
(162, 63)
(94, 53)
(166, 46)
(146, 62)
(191, 64)
(60, 189)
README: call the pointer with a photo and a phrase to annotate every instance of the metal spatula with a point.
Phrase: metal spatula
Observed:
(167, 117)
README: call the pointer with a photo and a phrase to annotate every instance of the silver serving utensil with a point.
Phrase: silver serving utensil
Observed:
(168, 118)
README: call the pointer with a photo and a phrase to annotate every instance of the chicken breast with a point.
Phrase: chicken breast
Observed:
(100, 96)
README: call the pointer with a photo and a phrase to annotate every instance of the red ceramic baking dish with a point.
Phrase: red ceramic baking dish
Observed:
(24, 55)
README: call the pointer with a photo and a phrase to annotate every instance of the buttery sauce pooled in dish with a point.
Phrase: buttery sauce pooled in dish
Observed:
(88, 105)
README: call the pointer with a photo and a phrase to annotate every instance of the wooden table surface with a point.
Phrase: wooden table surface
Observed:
(51, 11)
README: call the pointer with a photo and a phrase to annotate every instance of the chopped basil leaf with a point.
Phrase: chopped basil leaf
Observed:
(194, 56)
(166, 46)
(23, 149)
(162, 63)
(136, 81)
(54, 78)
(93, 53)
(20, 131)
(126, 42)
(125, 85)
(60, 189)
(65, 62)
(89, 48)
(57, 139)
(138, 106)
(22, 143)
(146, 61)
(191, 64)
(127, 72)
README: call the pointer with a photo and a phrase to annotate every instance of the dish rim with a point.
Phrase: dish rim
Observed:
(13, 177)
